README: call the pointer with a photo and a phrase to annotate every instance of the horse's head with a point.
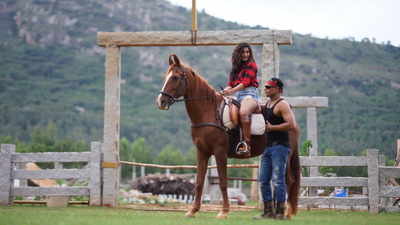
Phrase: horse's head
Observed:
(175, 83)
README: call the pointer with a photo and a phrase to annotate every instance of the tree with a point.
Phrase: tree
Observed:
(142, 152)
(170, 155)
(325, 170)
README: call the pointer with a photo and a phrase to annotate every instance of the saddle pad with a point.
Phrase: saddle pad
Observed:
(257, 124)
(226, 118)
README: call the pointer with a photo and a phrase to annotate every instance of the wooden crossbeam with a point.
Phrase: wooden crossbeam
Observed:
(184, 38)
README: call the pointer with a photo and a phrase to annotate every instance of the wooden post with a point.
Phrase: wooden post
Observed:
(95, 174)
(254, 185)
(269, 63)
(312, 135)
(6, 180)
(382, 182)
(111, 125)
(398, 153)
(373, 180)
(213, 188)
(142, 171)
(133, 171)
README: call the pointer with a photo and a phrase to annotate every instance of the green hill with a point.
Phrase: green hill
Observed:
(51, 71)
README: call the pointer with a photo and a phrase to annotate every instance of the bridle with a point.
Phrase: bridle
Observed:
(172, 100)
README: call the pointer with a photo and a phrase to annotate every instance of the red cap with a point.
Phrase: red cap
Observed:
(271, 83)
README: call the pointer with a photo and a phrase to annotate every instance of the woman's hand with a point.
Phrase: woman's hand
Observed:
(226, 91)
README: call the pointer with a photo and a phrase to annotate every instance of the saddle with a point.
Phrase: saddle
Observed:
(230, 117)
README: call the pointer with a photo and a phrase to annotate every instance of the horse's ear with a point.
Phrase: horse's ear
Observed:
(174, 60)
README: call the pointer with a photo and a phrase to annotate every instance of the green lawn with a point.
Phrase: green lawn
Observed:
(83, 215)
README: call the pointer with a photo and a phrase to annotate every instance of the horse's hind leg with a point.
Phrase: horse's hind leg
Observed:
(221, 158)
(202, 163)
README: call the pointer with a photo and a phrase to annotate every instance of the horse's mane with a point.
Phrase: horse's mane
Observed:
(190, 71)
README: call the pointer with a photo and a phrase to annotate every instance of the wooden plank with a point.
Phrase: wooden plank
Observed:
(348, 201)
(303, 101)
(51, 191)
(52, 157)
(392, 209)
(95, 174)
(333, 161)
(52, 174)
(373, 180)
(334, 181)
(389, 171)
(111, 124)
(6, 166)
(203, 38)
(390, 191)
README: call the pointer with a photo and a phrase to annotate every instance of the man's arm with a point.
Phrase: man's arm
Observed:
(288, 117)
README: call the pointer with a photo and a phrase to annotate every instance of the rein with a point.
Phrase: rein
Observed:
(172, 99)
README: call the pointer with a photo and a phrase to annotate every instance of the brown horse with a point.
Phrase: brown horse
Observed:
(202, 103)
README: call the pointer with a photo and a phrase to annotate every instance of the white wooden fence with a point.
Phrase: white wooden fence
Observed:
(375, 182)
(8, 173)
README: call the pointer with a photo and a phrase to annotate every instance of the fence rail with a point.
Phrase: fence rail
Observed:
(375, 182)
(8, 173)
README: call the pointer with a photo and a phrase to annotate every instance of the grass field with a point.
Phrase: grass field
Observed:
(83, 215)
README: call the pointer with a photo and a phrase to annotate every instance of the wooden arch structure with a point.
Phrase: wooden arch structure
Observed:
(113, 41)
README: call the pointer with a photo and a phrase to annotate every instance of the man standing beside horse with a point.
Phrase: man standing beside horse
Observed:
(279, 119)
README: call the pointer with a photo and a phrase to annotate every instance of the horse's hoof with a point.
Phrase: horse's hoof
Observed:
(189, 214)
(222, 215)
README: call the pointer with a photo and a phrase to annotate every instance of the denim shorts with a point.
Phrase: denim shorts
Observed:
(249, 91)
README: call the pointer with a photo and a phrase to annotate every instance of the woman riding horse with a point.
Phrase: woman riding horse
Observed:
(243, 85)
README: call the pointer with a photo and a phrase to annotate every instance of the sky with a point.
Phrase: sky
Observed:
(333, 19)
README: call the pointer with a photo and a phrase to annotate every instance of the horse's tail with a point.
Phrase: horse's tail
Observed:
(293, 172)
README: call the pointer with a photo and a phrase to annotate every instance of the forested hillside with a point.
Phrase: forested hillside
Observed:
(52, 72)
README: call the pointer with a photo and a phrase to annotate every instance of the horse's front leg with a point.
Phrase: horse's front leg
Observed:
(202, 163)
(221, 159)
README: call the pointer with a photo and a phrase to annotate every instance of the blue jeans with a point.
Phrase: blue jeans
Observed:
(249, 91)
(273, 168)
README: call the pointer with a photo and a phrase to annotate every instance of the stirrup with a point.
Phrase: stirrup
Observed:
(242, 148)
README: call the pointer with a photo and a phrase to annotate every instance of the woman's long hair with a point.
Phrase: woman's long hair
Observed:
(237, 59)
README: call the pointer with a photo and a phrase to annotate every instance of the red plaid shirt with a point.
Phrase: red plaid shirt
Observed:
(247, 76)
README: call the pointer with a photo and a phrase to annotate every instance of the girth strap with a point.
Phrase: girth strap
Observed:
(208, 125)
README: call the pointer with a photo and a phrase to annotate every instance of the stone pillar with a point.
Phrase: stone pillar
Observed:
(111, 172)
(373, 180)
